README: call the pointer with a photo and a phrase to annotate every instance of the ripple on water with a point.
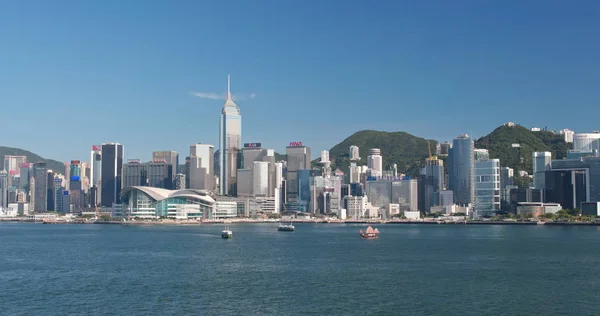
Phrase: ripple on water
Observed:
(317, 270)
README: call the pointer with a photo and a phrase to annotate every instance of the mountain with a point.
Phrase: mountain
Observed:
(500, 145)
(409, 151)
(405, 150)
(31, 157)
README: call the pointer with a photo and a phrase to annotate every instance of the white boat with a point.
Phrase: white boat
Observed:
(226, 233)
(283, 227)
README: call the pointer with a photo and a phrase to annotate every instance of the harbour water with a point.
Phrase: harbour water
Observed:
(319, 269)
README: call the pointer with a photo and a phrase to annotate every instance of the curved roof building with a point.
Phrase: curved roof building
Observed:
(150, 202)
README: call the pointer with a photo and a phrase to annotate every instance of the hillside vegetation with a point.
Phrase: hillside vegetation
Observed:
(499, 143)
(409, 151)
(405, 150)
(31, 157)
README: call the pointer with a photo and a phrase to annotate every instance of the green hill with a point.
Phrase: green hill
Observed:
(499, 143)
(409, 151)
(405, 150)
(31, 157)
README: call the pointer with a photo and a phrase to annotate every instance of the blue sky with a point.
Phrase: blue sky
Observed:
(78, 73)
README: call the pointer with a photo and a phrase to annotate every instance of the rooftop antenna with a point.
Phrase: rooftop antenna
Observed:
(228, 87)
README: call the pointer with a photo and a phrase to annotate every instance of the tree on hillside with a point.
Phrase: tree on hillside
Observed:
(522, 182)
(405, 150)
(514, 146)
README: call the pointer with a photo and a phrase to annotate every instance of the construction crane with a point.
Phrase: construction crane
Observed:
(430, 158)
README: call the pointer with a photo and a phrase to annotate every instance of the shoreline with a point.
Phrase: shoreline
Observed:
(248, 221)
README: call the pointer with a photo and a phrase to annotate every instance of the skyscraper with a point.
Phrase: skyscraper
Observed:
(134, 174)
(179, 181)
(487, 184)
(40, 176)
(24, 174)
(260, 178)
(12, 163)
(12, 167)
(298, 158)
(58, 196)
(95, 175)
(4, 189)
(112, 168)
(51, 205)
(354, 153)
(431, 182)
(200, 173)
(157, 174)
(542, 162)
(375, 162)
(169, 156)
(461, 170)
(230, 142)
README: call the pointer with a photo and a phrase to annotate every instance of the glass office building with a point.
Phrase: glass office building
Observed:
(461, 175)
(487, 188)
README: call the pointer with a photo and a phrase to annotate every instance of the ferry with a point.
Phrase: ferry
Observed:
(370, 234)
(226, 233)
(286, 227)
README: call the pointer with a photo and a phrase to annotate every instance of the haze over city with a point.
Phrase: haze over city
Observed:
(152, 75)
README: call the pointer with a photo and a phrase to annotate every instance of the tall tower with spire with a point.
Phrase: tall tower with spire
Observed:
(230, 142)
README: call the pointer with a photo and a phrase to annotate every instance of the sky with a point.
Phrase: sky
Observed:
(152, 75)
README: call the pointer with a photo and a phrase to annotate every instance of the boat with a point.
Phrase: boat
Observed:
(283, 227)
(226, 233)
(370, 234)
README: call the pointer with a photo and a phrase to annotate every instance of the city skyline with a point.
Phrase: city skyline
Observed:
(448, 64)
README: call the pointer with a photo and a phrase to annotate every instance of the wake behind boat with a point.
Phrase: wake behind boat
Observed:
(226, 233)
(370, 234)
(283, 227)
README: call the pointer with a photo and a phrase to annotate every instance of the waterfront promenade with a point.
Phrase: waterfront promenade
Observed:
(426, 221)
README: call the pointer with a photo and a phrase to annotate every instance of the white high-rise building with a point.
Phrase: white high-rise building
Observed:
(487, 186)
(354, 174)
(354, 153)
(568, 134)
(278, 175)
(13, 163)
(359, 207)
(260, 178)
(324, 156)
(325, 162)
(200, 171)
(230, 143)
(586, 141)
(375, 162)
(95, 166)
(541, 163)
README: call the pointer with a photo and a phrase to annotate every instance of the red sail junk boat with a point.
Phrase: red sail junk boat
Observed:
(370, 234)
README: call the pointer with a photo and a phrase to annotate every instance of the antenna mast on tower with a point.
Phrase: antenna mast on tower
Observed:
(228, 87)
